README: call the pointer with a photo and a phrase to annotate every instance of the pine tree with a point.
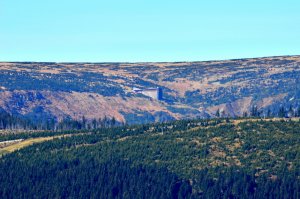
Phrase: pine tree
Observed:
(84, 122)
(254, 111)
(291, 112)
(281, 112)
(218, 113)
(113, 121)
(269, 113)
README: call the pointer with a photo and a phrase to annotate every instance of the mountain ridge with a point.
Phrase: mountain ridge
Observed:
(133, 62)
(190, 89)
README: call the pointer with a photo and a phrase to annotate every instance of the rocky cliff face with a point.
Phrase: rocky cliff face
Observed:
(190, 89)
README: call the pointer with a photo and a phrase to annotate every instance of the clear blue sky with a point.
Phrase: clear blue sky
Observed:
(152, 30)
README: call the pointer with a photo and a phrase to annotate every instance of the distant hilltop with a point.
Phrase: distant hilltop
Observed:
(134, 92)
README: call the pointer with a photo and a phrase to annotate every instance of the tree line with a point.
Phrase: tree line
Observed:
(17, 122)
(282, 112)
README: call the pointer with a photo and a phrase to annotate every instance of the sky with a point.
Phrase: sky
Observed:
(147, 30)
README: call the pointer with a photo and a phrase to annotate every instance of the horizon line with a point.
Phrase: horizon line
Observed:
(208, 60)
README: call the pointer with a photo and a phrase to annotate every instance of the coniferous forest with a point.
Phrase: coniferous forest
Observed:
(213, 158)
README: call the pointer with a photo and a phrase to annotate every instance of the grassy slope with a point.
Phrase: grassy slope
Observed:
(28, 142)
(22, 144)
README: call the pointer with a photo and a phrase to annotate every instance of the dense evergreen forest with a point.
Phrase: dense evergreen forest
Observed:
(213, 158)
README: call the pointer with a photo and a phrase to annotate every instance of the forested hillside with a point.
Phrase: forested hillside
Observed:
(215, 158)
(46, 91)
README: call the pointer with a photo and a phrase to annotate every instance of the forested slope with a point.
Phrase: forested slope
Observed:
(183, 159)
